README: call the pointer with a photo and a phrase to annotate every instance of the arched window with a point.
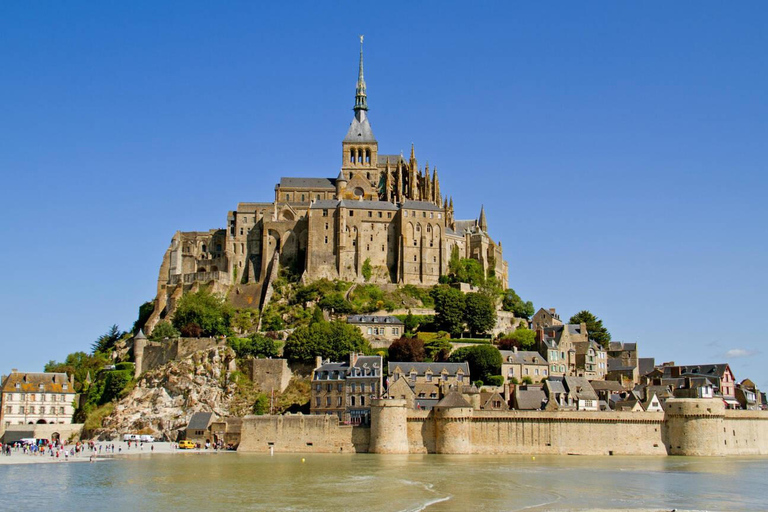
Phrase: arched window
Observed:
(362, 401)
(352, 401)
(359, 156)
(351, 156)
(368, 156)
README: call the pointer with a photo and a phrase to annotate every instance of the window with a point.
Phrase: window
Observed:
(8, 409)
(413, 376)
(351, 213)
(241, 232)
(339, 387)
(328, 387)
(362, 401)
(439, 215)
(362, 387)
(326, 239)
(380, 214)
(318, 197)
(21, 409)
(32, 397)
(396, 331)
(353, 388)
(414, 257)
(431, 215)
(370, 330)
(389, 215)
(325, 213)
(328, 401)
(405, 213)
(370, 214)
(319, 387)
(424, 214)
(444, 377)
(326, 225)
(371, 238)
(302, 198)
(338, 401)
(429, 377)
(352, 401)
(287, 197)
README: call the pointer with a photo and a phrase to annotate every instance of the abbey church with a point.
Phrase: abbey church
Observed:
(381, 209)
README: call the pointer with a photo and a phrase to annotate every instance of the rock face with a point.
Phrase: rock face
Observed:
(165, 398)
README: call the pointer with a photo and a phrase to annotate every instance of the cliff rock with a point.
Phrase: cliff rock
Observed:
(166, 397)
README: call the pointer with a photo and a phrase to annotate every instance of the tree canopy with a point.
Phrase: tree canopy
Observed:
(162, 330)
(449, 309)
(106, 342)
(255, 345)
(484, 360)
(407, 349)
(80, 365)
(331, 340)
(522, 338)
(203, 314)
(512, 302)
(597, 332)
(479, 312)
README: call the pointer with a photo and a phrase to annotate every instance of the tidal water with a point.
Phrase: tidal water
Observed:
(233, 482)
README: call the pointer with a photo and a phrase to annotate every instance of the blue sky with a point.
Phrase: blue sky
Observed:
(619, 150)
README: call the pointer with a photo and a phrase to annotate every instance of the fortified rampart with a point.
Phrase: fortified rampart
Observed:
(152, 354)
(688, 427)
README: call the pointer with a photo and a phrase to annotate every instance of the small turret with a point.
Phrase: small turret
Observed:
(139, 343)
(341, 184)
(482, 222)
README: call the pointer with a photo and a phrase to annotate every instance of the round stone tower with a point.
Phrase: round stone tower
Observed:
(453, 424)
(695, 426)
(389, 426)
(139, 343)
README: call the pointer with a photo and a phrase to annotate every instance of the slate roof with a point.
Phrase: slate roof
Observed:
(367, 362)
(465, 225)
(327, 204)
(522, 357)
(367, 205)
(555, 385)
(530, 399)
(360, 131)
(314, 183)
(31, 382)
(200, 421)
(420, 205)
(374, 319)
(715, 370)
(606, 385)
(421, 368)
(645, 365)
(580, 388)
(393, 159)
(453, 399)
(617, 365)
(619, 346)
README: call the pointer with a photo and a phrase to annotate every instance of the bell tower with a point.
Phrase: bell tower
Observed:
(360, 148)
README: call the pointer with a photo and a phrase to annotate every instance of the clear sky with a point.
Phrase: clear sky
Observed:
(619, 149)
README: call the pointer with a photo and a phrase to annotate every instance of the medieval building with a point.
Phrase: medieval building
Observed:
(379, 208)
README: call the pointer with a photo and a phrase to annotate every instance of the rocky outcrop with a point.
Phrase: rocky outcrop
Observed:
(166, 397)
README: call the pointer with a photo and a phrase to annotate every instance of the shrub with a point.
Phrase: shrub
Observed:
(125, 366)
(332, 340)
(162, 330)
(523, 339)
(484, 360)
(114, 383)
(255, 345)
(203, 313)
(407, 349)
(367, 270)
(496, 380)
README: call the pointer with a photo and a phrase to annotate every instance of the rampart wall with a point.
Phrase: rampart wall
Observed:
(687, 427)
(158, 353)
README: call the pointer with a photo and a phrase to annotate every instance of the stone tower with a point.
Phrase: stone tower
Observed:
(695, 426)
(139, 344)
(453, 424)
(389, 426)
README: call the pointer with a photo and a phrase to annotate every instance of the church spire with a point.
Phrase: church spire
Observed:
(483, 223)
(361, 100)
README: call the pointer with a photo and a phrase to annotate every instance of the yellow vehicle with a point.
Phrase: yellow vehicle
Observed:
(186, 445)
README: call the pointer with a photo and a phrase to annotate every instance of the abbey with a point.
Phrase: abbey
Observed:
(382, 211)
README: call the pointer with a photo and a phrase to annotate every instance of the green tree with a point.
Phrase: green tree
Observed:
(367, 270)
(484, 360)
(145, 311)
(331, 340)
(205, 312)
(242, 320)
(512, 302)
(407, 349)
(411, 323)
(114, 384)
(523, 339)
(438, 348)
(255, 345)
(80, 365)
(337, 303)
(106, 342)
(479, 312)
(597, 332)
(162, 330)
(449, 309)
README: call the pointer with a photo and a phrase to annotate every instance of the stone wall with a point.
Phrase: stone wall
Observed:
(688, 427)
(299, 433)
(67, 432)
(269, 374)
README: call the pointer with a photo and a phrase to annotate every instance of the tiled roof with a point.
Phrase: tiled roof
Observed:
(31, 382)
(373, 319)
(421, 368)
(313, 183)
(420, 205)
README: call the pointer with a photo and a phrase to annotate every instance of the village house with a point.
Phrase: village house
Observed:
(346, 389)
(545, 318)
(557, 344)
(492, 401)
(453, 374)
(719, 374)
(36, 398)
(199, 428)
(591, 360)
(520, 365)
(528, 397)
(583, 396)
(558, 397)
(384, 328)
(627, 376)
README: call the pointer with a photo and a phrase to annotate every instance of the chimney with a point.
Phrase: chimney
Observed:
(514, 349)
(352, 359)
(14, 370)
(318, 361)
(552, 311)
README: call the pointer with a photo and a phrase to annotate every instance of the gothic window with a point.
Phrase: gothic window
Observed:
(429, 228)
(367, 156)
(359, 156)
(351, 156)
(418, 227)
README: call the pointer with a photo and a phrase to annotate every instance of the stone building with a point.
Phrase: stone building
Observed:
(557, 343)
(36, 398)
(519, 364)
(346, 389)
(378, 327)
(383, 209)
(591, 360)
